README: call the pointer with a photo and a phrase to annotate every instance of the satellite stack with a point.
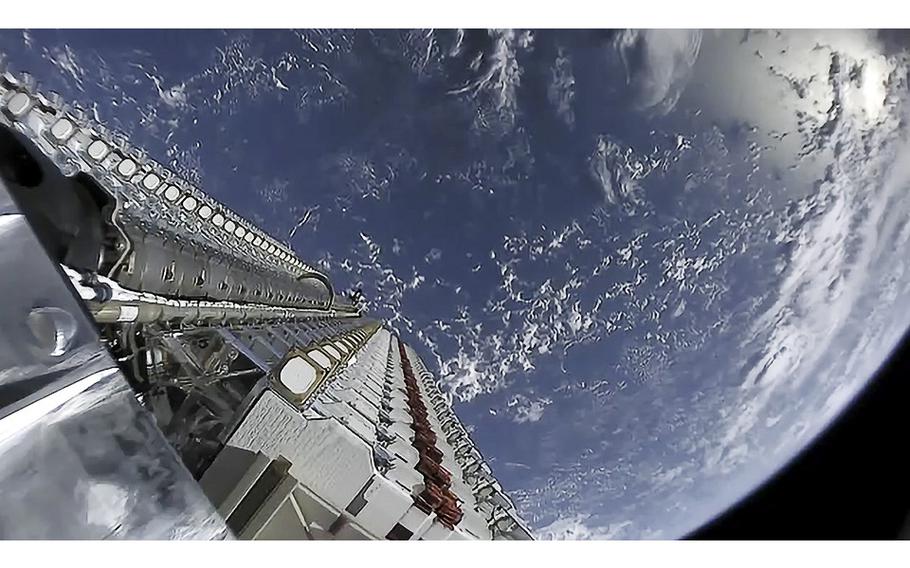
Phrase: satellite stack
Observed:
(170, 370)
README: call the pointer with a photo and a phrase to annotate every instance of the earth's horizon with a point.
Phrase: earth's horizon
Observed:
(649, 266)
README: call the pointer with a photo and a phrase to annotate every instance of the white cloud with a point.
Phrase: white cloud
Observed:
(576, 528)
(524, 409)
(432, 256)
(561, 90)
(174, 96)
(821, 323)
(619, 169)
(835, 247)
(65, 60)
(502, 74)
(658, 63)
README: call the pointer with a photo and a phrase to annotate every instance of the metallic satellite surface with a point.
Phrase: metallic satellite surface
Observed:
(648, 267)
(243, 383)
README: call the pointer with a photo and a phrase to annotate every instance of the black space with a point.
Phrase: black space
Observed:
(851, 484)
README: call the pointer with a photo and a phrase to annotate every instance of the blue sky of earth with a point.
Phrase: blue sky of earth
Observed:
(649, 266)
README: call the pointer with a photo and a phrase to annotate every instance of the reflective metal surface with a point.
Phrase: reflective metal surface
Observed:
(46, 342)
(161, 234)
(79, 459)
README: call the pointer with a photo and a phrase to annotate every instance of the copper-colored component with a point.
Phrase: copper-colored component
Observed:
(436, 495)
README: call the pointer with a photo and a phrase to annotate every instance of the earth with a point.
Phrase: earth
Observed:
(648, 266)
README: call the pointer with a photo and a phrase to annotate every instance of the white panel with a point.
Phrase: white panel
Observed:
(461, 535)
(386, 504)
(315, 513)
(345, 393)
(171, 193)
(325, 456)
(400, 416)
(371, 396)
(284, 525)
(128, 313)
(407, 476)
(62, 129)
(461, 489)
(398, 402)
(413, 518)
(297, 375)
(320, 358)
(358, 402)
(351, 532)
(231, 476)
(96, 149)
(361, 426)
(346, 414)
(474, 523)
(451, 466)
(401, 429)
(405, 450)
(437, 531)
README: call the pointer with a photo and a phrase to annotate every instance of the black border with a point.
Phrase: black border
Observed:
(852, 483)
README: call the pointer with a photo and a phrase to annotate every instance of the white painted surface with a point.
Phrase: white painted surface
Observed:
(406, 451)
(127, 167)
(413, 518)
(325, 455)
(128, 313)
(151, 181)
(320, 358)
(386, 504)
(298, 375)
(97, 150)
(171, 193)
(407, 476)
(317, 515)
(62, 129)
(18, 104)
(437, 531)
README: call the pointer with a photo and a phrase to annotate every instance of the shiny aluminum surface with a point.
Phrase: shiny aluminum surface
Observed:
(79, 458)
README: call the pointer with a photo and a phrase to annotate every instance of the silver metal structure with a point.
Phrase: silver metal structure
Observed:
(169, 370)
